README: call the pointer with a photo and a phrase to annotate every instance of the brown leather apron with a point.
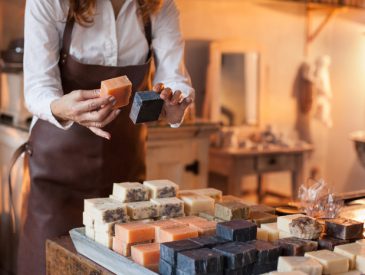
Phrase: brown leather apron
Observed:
(69, 166)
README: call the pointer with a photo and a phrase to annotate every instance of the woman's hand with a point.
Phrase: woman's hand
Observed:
(86, 108)
(175, 106)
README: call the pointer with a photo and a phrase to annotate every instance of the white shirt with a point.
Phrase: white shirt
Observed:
(109, 42)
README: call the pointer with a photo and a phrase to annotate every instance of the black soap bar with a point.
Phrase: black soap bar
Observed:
(146, 107)
(237, 254)
(329, 243)
(344, 229)
(169, 250)
(238, 230)
(209, 241)
(295, 246)
(266, 251)
(239, 271)
(165, 268)
(198, 261)
(259, 268)
(181, 272)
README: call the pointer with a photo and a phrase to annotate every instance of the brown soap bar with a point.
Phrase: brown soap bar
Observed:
(266, 251)
(231, 210)
(329, 243)
(262, 208)
(262, 217)
(295, 246)
(344, 229)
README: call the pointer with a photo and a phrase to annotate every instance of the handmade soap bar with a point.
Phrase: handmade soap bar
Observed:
(307, 265)
(305, 228)
(272, 231)
(259, 269)
(130, 192)
(188, 220)
(331, 262)
(157, 225)
(284, 221)
(161, 188)
(200, 261)
(204, 228)
(87, 219)
(360, 263)
(106, 227)
(238, 271)
(134, 232)
(351, 251)
(344, 229)
(262, 234)
(207, 216)
(210, 192)
(169, 250)
(169, 207)
(146, 254)
(209, 241)
(142, 210)
(283, 235)
(165, 268)
(193, 204)
(119, 87)
(147, 107)
(177, 233)
(231, 211)
(104, 239)
(91, 204)
(295, 246)
(266, 252)
(238, 230)
(124, 248)
(90, 232)
(262, 217)
(330, 243)
(262, 208)
(108, 211)
(237, 254)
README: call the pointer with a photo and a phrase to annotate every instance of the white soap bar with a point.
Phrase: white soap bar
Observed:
(87, 219)
(169, 207)
(104, 239)
(272, 231)
(90, 232)
(283, 234)
(161, 188)
(90, 204)
(130, 192)
(107, 211)
(305, 264)
(194, 204)
(262, 234)
(213, 193)
(331, 262)
(288, 273)
(142, 210)
(351, 251)
(284, 221)
(108, 227)
(360, 263)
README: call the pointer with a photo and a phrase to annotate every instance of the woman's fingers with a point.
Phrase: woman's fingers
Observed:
(176, 98)
(186, 102)
(98, 115)
(94, 104)
(101, 133)
(158, 88)
(102, 123)
(86, 94)
(166, 95)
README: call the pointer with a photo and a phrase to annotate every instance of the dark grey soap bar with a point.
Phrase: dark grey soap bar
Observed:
(259, 268)
(209, 241)
(180, 272)
(199, 261)
(344, 229)
(169, 250)
(146, 107)
(239, 271)
(329, 243)
(237, 254)
(165, 268)
(266, 251)
(237, 230)
(295, 246)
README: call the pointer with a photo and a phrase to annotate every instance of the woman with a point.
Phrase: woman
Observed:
(79, 145)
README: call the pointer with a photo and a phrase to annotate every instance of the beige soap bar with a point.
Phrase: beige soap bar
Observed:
(213, 193)
(351, 251)
(90, 232)
(130, 192)
(262, 234)
(331, 262)
(283, 235)
(142, 210)
(305, 264)
(169, 207)
(272, 231)
(87, 219)
(104, 239)
(161, 188)
(194, 204)
(105, 210)
(119, 87)
(107, 227)
(284, 221)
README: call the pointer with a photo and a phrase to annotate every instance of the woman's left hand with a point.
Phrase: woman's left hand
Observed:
(175, 106)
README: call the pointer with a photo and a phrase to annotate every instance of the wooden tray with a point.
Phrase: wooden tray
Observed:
(104, 256)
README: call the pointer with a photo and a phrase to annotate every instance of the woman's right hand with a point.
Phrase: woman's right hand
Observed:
(86, 108)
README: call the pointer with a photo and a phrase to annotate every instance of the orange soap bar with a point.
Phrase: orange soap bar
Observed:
(177, 233)
(120, 88)
(205, 228)
(124, 248)
(157, 225)
(146, 254)
(134, 232)
(188, 220)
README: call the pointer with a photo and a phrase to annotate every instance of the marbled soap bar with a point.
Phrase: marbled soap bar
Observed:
(272, 231)
(130, 192)
(209, 241)
(210, 192)
(262, 234)
(331, 262)
(177, 233)
(307, 265)
(142, 210)
(329, 243)
(169, 207)
(200, 261)
(262, 208)
(266, 251)
(262, 217)
(169, 250)
(194, 204)
(351, 251)
(231, 211)
(205, 228)
(284, 221)
(134, 232)
(344, 229)
(237, 254)
(238, 230)
(105, 210)
(161, 188)
(295, 246)
(146, 107)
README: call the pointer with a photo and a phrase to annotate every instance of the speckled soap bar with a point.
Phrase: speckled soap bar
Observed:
(231, 210)
(344, 229)
(142, 210)
(295, 246)
(237, 254)
(130, 192)
(266, 251)
(105, 210)
(238, 230)
(146, 107)
(169, 207)
(169, 250)
(161, 188)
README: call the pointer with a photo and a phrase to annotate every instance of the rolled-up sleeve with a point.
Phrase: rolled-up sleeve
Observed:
(42, 83)
(168, 46)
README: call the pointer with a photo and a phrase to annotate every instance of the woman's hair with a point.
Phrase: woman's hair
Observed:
(83, 11)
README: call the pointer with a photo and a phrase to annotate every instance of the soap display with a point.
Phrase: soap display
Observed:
(331, 262)
(238, 230)
(146, 107)
(231, 211)
(130, 192)
(119, 87)
(344, 229)
(296, 247)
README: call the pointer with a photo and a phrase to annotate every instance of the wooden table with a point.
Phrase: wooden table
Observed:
(236, 163)
(62, 259)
